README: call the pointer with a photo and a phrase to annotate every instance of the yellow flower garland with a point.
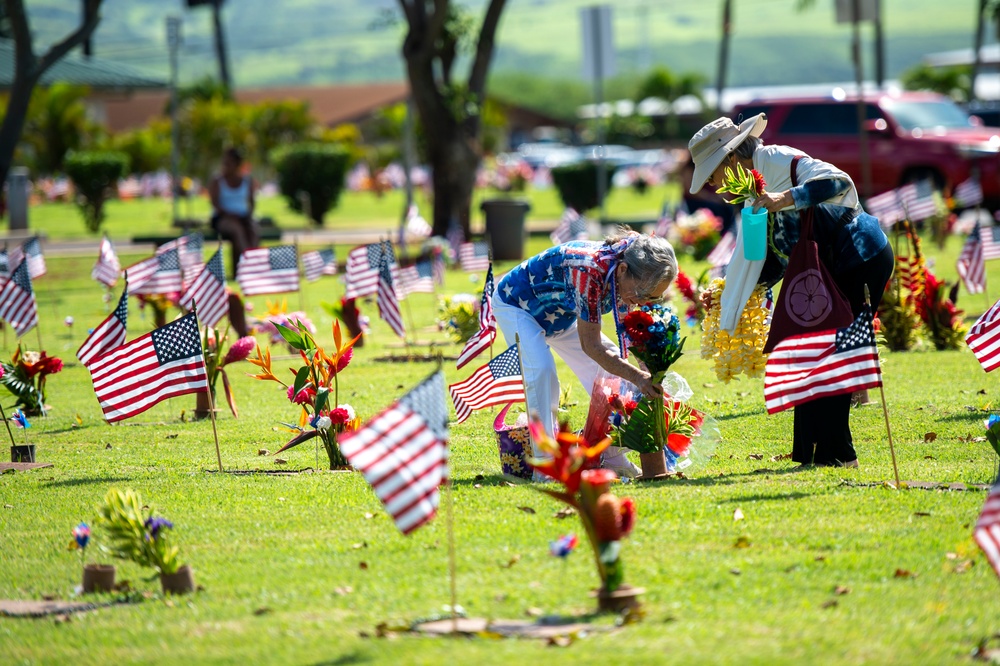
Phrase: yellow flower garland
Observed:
(743, 351)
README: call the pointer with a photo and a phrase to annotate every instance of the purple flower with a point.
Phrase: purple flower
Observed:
(82, 535)
(155, 525)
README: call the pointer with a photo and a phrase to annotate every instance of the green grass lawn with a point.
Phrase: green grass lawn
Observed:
(280, 557)
(144, 217)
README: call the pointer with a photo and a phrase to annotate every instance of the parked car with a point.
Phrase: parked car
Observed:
(910, 136)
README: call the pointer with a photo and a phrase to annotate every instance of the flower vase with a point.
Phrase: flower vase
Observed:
(24, 453)
(625, 597)
(203, 406)
(337, 459)
(654, 465)
(180, 582)
(98, 578)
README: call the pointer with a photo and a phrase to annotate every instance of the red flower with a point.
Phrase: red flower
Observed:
(637, 325)
(599, 479)
(630, 407)
(339, 416)
(344, 360)
(50, 365)
(628, 514)
(758, 182)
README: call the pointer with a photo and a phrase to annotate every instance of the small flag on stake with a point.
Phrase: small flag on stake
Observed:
(403, 453)
(495, 383)
(109, 335)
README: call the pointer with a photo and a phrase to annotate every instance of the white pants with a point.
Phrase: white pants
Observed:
(538, 365)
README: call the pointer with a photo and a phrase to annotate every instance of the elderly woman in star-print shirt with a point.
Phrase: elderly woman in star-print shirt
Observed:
(554, 301)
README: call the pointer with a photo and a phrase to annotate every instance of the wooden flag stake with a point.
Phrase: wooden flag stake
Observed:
(7, 423)
(211, 398)
(885, 409)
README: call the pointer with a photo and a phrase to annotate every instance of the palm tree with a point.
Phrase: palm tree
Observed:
(664, 84)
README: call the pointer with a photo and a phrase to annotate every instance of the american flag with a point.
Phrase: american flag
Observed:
(987, 532)
(268, 270)
(990, 239)
(388, 301)
(363, 266)
(160, 274)
(108, 268)
(487, 333)
(664, 223)
(162, 364)
(984, 338)
(437, 262)
(886, 207)
(32, 249)
(971, 266)
(189, 249)
(403, 453)
(17, 300)
(817, 365)
(918, 200)
(109, 335)
(208, 292)
(968, 193)
(572, 226)
(474, 257)
(319, 263)
(496, 383)
(416, 279)
(722, 253)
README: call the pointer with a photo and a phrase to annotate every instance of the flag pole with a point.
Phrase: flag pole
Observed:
(298, 265)
(450, 519)
(885, 409)
(211, 398)
(7, 423)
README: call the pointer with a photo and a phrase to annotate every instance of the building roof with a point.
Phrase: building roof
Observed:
(329, 105)
(92, 72)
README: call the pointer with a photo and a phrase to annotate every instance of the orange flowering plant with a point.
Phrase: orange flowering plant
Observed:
(606, 518)
(314, 382)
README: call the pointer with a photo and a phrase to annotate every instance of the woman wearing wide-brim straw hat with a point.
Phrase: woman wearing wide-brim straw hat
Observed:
(852, 247)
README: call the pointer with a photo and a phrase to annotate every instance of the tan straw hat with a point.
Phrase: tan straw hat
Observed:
(710, 145)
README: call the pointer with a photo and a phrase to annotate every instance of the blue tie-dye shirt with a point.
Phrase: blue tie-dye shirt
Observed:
(563, 283)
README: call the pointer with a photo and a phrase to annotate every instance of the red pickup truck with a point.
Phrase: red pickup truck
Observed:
(911, 136)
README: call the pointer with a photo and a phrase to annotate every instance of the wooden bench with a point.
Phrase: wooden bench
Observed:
(265, 227)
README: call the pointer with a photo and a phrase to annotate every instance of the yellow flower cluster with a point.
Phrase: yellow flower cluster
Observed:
(743, 351)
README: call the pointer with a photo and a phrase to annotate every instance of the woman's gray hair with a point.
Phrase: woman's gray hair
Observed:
(649, 259)
(748, 147)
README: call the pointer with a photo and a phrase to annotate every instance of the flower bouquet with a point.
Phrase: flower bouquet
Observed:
(135, 533)
(743, 184)
(606, 519)
(278, 314)
(25, 376)
(459, 315)
(695, 312)
(215, 364)
(653, 333)
(314, 381)
(696, 234)
(743, 350)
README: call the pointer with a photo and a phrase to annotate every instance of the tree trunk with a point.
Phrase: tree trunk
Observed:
(454, 177)
(13, 123)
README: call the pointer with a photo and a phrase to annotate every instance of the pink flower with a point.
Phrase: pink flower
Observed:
(339, 416)
(304, 396)
(240, 350)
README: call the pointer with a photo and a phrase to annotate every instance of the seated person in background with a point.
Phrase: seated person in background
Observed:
(706, 198)
(232, 198)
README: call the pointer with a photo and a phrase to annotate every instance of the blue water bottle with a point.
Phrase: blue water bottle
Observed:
(754, 233)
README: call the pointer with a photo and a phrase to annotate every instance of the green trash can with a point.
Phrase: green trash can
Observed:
(505, 227)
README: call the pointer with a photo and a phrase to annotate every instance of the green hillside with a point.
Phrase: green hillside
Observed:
(316, 41)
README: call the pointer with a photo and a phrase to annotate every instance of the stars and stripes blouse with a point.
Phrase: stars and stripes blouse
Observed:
(565, 282)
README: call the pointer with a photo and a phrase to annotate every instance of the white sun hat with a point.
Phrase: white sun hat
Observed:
(710, 145)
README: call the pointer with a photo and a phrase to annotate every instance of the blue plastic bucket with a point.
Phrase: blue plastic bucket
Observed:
(754, 234)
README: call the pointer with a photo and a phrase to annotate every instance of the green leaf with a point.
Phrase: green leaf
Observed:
(638, 433)
(291, 336)
(322, 396)
(301, 379)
